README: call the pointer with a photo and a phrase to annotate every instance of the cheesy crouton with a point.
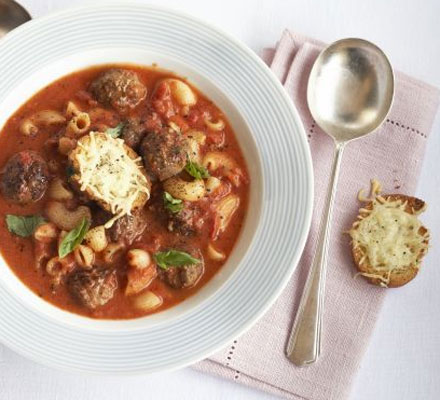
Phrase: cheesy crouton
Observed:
(388, 240)
(110, 173)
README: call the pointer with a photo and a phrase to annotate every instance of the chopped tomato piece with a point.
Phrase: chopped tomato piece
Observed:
(193, 117)
(216, 138)
(162, 101)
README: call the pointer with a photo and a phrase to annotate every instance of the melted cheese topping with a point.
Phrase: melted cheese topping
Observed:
(388, 237)
(376, 188)
(107, 172)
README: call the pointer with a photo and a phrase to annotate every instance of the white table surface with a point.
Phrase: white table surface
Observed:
(403, 359)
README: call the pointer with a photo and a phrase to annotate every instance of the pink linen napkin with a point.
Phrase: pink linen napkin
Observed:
(393, 155)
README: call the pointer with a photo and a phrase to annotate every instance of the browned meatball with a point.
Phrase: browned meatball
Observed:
(129, 227)
(25, 177)
(165, 154)
(119, 88)
(93, 288)
(184, 276)
(187, 221)
(133, 132)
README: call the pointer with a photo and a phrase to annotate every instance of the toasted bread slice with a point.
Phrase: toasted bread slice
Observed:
(110, 173)
(388, 240)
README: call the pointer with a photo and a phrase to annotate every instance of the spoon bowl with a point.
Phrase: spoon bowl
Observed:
(12, 15)
(350, 89)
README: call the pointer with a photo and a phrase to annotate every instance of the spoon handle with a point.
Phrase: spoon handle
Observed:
(304, 344)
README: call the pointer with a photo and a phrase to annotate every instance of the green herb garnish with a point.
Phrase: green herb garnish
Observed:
(73, 238)
(23, 226)
(116, 131)
(70, 171)
(195, 170)
(171, 204)
(174, 258)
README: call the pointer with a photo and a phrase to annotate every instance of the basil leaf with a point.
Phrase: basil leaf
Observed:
(174, 258)
(116, 131)
(73, 238)
(171, 204)
(23, 226)
(70, 171)
(195, 170)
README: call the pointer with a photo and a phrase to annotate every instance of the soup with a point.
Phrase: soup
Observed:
(123, 190)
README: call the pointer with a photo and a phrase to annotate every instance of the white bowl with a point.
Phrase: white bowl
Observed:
(280, 203)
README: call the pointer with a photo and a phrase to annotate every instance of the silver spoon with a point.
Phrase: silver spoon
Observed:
(350, 91)
(12, 15)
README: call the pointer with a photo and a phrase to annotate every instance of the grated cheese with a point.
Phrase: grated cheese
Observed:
(109, 174)
(376, 188)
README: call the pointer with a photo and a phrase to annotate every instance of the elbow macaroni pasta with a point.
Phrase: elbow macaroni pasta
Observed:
(147, 301)
(138, 258)
(72, 110)
(30, 126)
(66, 219)
(58, 191)
(181, 92)
(217, 159)
(84, 256)
(194, 151)
(96, 238)
(215, 126)
(198, 136)
(212, 183)
(183, 190)
(78, 125)
(215, 254)
(46, 233)
(58, 267)
(225, 209)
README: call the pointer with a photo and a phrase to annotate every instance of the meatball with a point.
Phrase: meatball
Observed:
(119, 88)
(25, 177)
(185, 276)
(129, 227)
(133, 132)
(188, 221)
(93, 288)
(165, 154)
